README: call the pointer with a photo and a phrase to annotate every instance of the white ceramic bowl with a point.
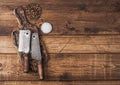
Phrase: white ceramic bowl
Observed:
(46, 27)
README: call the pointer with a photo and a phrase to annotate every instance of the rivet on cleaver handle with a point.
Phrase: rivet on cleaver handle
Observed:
(36, 52)
(24, 41)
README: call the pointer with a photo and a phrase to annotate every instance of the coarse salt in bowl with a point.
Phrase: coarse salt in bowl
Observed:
(46, 27)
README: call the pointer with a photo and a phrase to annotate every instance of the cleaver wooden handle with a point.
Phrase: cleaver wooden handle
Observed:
(40, 69)
(25, 63)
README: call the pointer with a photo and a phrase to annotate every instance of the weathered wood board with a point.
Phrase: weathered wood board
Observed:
(68, 17)
(70, 44)
(65, 67)
(84, 43)
(60, 83)
(97, 63)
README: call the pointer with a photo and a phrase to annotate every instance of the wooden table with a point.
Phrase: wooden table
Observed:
(84, 44)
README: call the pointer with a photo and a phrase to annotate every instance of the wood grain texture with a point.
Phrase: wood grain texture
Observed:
(68, 18)
(84, 43)
(70, 44)
(11, 68)
(95, 60)
(60, 83)
(65, 67)
(83, 67)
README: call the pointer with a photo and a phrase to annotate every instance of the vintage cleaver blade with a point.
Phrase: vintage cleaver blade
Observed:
(24, 41)
(35, 47)
(36, 52)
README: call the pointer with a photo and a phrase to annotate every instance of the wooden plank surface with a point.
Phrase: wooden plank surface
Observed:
(70, 44)
(60, 83)
(68, 18)
(65, 67)
(97, 63)
(83, 67)
(73, 53)
(11, 69)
